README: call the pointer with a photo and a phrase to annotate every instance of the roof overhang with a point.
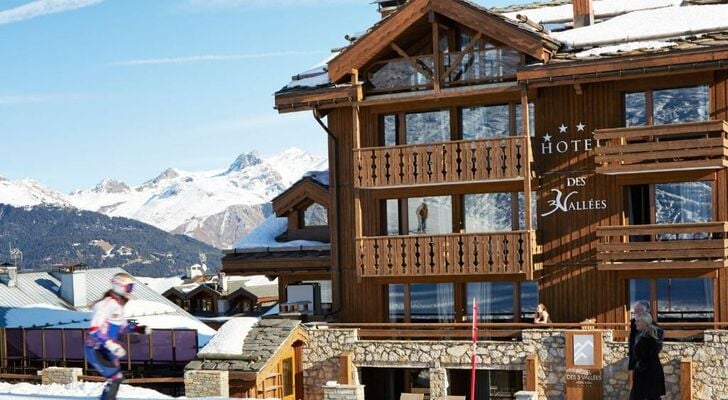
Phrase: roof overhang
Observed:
(302, 194)
(274, 263)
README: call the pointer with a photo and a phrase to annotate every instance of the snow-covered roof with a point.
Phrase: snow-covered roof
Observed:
(321, 177)
(36, 301)
(230, 337)
(549, 14)
(640, 26)
(263, 237)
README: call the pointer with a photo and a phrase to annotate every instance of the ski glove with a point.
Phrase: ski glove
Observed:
(115, 348)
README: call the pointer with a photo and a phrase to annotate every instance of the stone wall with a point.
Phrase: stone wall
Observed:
(207, 384)
(61, 376)
(321, 362)
(344, 392)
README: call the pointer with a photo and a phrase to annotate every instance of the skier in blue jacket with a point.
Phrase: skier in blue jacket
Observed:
(103, 350)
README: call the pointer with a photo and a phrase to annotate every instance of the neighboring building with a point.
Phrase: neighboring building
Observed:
(222, 295)
(64, 298)
(294, 247)
(263, 358)
(569, 154)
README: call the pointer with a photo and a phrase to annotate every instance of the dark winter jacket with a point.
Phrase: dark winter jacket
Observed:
(633, 332)
(649, 378)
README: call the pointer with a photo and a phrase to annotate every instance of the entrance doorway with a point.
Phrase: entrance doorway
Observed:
(489, 384)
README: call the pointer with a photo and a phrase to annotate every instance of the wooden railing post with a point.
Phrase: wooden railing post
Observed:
(531, 371)
(686, 378)
(346, 368)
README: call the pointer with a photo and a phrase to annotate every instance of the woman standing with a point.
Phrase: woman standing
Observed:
(649, 378)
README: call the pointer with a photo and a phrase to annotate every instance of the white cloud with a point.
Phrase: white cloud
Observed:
(212, 58)
(224, 4)
(38, 8)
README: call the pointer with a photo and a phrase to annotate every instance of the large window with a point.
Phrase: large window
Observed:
(488, 212)
(666, 106)
(428, 127)
(675, 299)
(670, 203)
(485, 121)
(497, 300)
(430, 215)
(428, 302)
(315, 215)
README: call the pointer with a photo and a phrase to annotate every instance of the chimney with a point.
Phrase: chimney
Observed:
(387, 7)
(222, 280)
(73, 284)
(583, 13)
(9, 274)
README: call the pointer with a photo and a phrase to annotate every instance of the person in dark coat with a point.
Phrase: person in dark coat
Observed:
(649, 378)
(639, 308)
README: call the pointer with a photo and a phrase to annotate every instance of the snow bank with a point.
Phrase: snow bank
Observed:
(80, 390)
(604, 8)
(230, 337)
(321, 176)
(314, 77)
(264, 235)
(649, 25)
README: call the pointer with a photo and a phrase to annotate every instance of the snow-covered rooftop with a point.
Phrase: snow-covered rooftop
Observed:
(605, 8)
(264, 237)
(230, 337)
(321, 177)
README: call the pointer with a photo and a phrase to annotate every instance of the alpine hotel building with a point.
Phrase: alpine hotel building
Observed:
(566, 154)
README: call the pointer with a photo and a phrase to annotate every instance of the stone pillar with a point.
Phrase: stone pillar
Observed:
(61, 376)
(523, 395)
(438, 383)
(207, 383)
(344, 392)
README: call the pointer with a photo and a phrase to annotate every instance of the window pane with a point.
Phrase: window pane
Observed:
(431, 302)
(390, 130)
(685, 299)
(430, 215)
(635, 105)
(680, 105)
(531, 119)
(495, 300)
(485, 122)
(396, 303)
(400, 74)
(488, 212)
(685, 202)
(522, 210)
(392, 213)
(529, 298)
(287, 372)
(428, 127)
(315, 215)
(639, 290)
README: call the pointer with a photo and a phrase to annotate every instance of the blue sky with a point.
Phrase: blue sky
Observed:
(93, 89)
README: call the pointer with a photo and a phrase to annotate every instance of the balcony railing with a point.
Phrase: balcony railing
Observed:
(676, 246)
(695, 145)
(437, 163)
(500, 253)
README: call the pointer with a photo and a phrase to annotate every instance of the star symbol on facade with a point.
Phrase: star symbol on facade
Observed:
(580, 127)
(563, 128)
(546, 137)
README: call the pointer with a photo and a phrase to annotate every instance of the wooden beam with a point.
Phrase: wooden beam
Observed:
(686, 379)
(346, 368)
(461, 56)
(411, 60)
(437, 59)
(532, 373)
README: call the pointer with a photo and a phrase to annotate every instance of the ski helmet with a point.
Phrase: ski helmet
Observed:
(122, 284)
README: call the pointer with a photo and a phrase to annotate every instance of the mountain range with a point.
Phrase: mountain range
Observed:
(217, 207)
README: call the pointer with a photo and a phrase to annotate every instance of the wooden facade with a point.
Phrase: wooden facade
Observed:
(578, 156)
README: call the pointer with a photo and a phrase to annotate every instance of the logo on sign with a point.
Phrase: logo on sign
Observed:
(564, 203)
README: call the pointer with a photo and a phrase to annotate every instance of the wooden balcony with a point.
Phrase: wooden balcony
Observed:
(485, 254)
(501, 159)
(676, 246)
(658, 148)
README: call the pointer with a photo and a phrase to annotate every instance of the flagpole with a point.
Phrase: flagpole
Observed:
(475, 346)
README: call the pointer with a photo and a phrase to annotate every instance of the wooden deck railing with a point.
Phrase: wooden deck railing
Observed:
(695, 145)
(444, 162)
(674, 331)
(674, 246)
(445, 255)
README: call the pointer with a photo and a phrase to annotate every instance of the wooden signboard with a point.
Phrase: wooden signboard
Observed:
(584, 365)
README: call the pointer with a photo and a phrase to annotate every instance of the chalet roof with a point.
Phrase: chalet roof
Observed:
(275, 261)
(235, 287)
(307, 190)
(623, 28)
(259, 346)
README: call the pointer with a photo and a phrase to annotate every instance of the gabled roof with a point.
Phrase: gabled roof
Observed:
(518, 36)
(305, 191)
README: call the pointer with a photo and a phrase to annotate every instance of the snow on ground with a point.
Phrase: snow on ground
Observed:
(264, 235)
(649, 25)
(604, 8)
(230, 337)
(160, 285)
(80, 390)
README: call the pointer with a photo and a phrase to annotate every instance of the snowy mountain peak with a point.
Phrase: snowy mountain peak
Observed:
(29, 193)
(111, 186)
(169, 173)
(245, 160)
